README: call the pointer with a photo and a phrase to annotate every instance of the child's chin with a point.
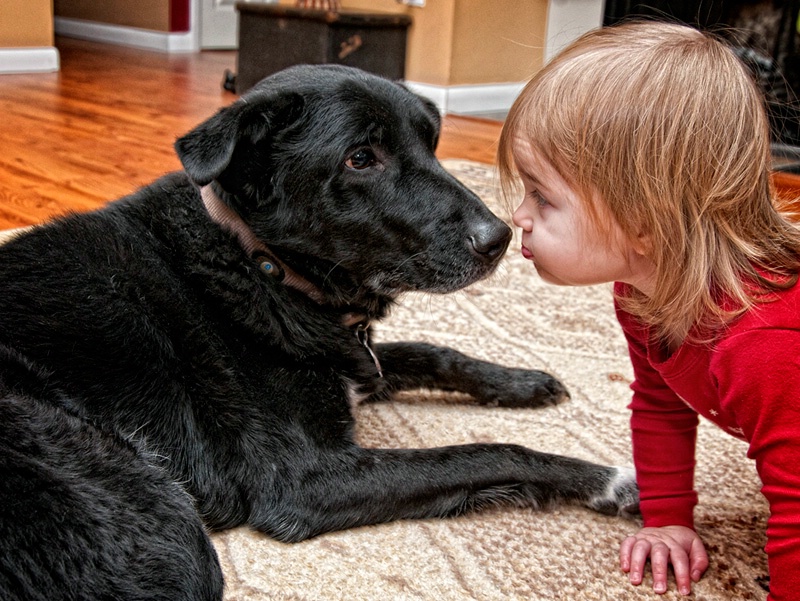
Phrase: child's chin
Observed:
(553, 279)
(547, 276)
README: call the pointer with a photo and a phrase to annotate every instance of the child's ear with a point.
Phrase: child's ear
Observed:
(642, 244)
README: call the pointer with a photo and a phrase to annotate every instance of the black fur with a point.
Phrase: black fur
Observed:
(154, 381)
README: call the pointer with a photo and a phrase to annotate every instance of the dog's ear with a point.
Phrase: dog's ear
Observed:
(206, 151)
(432, 110)
(436, 118)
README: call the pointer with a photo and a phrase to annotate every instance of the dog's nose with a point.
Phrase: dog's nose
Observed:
(490, 240)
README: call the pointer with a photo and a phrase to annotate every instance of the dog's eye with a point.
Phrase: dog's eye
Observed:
(362, 158)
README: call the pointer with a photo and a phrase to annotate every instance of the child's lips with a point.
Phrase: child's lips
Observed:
(527, 254)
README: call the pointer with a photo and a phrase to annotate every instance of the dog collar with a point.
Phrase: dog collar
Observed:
(230, 221)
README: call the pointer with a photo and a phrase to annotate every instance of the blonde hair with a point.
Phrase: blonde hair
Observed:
(665, 125)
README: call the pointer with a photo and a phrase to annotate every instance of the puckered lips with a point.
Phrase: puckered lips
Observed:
(527, 254)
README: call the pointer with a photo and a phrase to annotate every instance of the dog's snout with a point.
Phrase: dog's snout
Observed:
(490, 240)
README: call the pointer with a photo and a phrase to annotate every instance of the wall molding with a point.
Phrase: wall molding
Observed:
(470, 99)
(126, 36)
(29, 60)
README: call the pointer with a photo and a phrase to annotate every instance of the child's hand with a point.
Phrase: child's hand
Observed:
(677, 545)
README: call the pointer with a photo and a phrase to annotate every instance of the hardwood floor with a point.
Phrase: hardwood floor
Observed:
(105, 124)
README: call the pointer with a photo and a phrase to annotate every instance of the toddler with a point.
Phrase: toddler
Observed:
(644, 152)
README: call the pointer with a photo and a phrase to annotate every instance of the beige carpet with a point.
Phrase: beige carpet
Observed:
(511, 554)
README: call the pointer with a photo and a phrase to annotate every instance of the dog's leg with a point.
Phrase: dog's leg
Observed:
(358, 487)
(408, 365)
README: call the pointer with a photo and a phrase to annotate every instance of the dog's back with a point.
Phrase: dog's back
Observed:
(83, 515)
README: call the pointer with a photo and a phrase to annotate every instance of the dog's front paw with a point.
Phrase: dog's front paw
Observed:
(621, 496)
(522, 388)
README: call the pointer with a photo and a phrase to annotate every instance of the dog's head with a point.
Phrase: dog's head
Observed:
(334, 170)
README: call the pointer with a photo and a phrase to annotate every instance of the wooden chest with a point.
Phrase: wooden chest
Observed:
(273, 37)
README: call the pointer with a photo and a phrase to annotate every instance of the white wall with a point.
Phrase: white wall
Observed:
(568, 19)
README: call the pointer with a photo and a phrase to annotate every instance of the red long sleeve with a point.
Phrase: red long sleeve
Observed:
(664, 430)
(748, 383)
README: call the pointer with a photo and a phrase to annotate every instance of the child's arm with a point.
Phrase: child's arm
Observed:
(664, 431)
(759, 382)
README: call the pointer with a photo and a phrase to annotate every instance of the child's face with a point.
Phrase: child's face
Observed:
(558, 235)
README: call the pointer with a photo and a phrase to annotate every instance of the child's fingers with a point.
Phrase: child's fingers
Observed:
(660, 557)
(680, 566)
(676, 546)
(639, 554)
(698, 559)
(625, 553)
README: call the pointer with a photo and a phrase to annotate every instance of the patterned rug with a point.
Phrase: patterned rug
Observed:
(512, 554)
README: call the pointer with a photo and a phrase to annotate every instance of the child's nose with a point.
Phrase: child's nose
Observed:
(522, 218)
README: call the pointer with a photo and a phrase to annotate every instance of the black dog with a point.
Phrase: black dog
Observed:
(188, 356)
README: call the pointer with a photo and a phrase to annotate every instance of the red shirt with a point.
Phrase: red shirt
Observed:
(747, 381)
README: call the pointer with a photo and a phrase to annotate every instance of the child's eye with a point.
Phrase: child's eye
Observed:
(541, 201)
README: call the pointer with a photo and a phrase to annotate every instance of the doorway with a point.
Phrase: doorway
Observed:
(218, 23)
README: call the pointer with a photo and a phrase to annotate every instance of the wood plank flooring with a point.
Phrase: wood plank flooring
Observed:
(105, 124)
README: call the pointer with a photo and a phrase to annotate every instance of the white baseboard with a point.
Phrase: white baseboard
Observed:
(29, 60)
(126, 36)
(470, 99)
